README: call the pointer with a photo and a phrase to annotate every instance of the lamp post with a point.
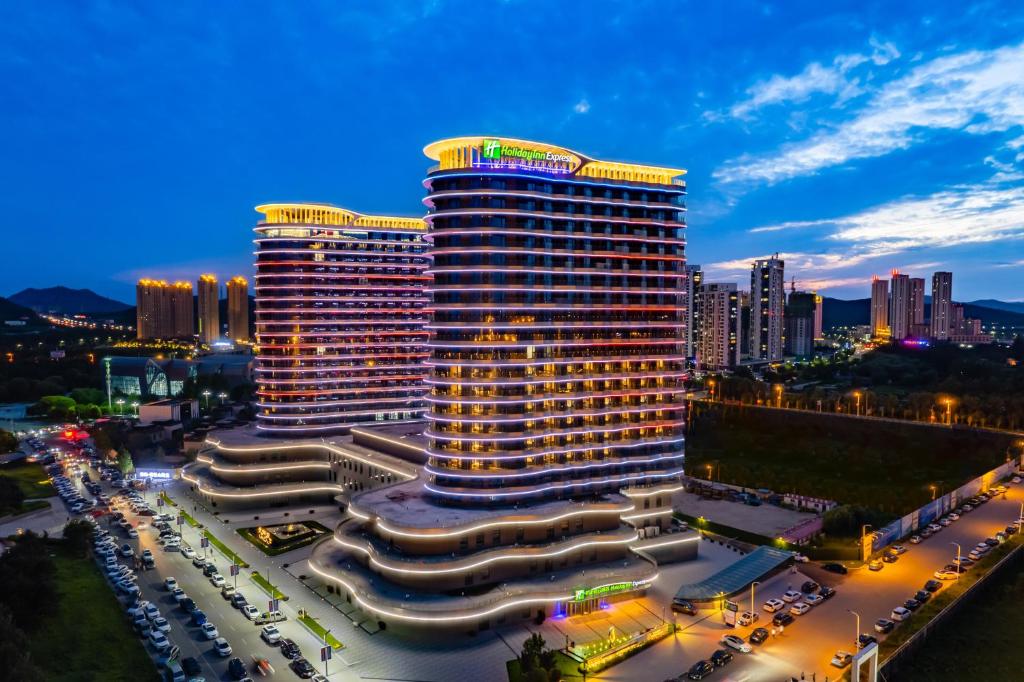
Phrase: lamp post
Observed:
(957, 559)
(136, 407)
(778, 395)
(206, 394)
(711, 385)
(120, 406)
(856, 395)
(863, 536)
(949, 411)
(326, 659)
(222, 396)
(756, 582)
(932, 488)
(710, 480)
(856, 638)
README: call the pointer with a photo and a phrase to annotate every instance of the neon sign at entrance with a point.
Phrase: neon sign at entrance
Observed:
(605, 590)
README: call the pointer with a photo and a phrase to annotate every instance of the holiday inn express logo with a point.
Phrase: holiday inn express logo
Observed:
(493, 150)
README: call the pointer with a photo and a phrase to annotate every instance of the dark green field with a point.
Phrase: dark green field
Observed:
(89, 637)
(880, 465)
(31, 479)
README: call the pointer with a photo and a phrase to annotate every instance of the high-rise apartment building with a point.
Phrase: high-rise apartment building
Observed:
(162, 310)
(183, 324)
(341, 308)
(238, 308)
(800, 314)
(899, 306)
(819, 317)
(916, 301)
(208, 304)
(879, 308)
(693, 278)
(767, 303)
(718, 336)
(942, 300)
(556, 414)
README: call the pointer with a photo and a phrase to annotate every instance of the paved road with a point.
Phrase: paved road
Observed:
(807, 646)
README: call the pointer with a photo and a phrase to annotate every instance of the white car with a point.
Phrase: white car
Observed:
(221, 646)
(270, 634)
(899, 549)
(899, 614)
(737, 643)
(133, 534)
(946, 575)
(748, 618)
(161, 624)
(915, 539)
(953, 516)
(250, 611)
(944, 522)
(934, 527)
(187, 552)
(159, 640)
(151, 611)
(217, 579)
(209, 630)
(179, 595)
(773, 605)
(813, 599)
(842, 659)
(799, 609)
(170, 584)
(790, 596)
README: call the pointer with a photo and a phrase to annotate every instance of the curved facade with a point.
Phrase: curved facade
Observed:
(340, 314)
(556, 360)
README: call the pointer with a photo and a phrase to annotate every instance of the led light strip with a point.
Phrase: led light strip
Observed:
(484, 562)
(323, 446)
(542, 489)
(549, 215)
(424, 533)
(542, 469)
(544, 196)
(679, 190)
(536, 435)
(560, 271)
(564, 451)
(667, 543)
(310, 488)
(490, 418)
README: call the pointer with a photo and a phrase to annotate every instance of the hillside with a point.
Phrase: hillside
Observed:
(68, 301)
(13, 311)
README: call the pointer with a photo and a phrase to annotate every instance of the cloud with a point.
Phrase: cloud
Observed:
(832, 79)
(978, 92)
(581, 107)
(791, 225)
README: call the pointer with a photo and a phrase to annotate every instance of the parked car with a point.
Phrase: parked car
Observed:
(209, 630)
(810, 587)
(700, 670)
(915, 539)
(875, 565)
(866, 639)
(782, 619)
(773, 605)
(833, 567)
(159, 640)
(813, 599)
(946, 575)
(899, 549)
(799, 608)
(827, 592)
(684, 606)
(290, 649)
(933, 585)
(884, 625)
(236, 668)
(748, 618)
(250, 611)
(900, 614)
(721, 657)
(842, 659)
(790, 596)
(270, 617)
(170, 584)
(270, 634)
(221, 646)
(303, 668)
(912, 605)
(758, 636)
(737, 643)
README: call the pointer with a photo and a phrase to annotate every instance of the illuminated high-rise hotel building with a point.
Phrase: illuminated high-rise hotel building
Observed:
(208, 301)
(341, 307)
(238, 308)
(556, 413)
(163, 311)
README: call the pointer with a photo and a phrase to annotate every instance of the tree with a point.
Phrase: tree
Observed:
(77, 534)
(11, 495)
(28, 575)
(58, 406)
(1017, 349)
(8, 442)
(15, 660)
(529, 658)
(87, 396)
(125, 463)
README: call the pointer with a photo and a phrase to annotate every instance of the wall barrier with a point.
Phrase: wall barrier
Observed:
(930, 512)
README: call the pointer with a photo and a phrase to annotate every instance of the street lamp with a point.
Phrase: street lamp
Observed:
(756, 582)
(711, 385)
(856, 639)
(120, 406)
(206, 394)
(856, 394)
(778, 395)
(222, 396)
(932, 488)
(957, 559)
(949, 410)
(710, 480)
(136, 407)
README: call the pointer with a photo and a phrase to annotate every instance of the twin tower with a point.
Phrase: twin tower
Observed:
(528, 332)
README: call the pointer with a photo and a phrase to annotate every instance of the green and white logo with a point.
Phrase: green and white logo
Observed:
(492, 149)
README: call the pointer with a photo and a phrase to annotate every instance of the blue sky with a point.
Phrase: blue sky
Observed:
(852, 138)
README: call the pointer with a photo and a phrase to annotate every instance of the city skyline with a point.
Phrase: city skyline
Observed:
(785, 149)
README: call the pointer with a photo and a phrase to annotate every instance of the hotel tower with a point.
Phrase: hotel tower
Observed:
(340, 314)
(556, 414)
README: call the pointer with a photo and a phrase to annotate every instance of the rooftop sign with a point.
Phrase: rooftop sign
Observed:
(544, 157)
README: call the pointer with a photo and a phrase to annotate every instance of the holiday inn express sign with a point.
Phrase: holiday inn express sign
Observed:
(497, 151)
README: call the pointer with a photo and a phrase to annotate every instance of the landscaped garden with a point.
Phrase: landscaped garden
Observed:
(285, 537)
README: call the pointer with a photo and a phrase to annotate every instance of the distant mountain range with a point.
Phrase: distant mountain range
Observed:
(66, 301)
(13, 311)
(840, 313)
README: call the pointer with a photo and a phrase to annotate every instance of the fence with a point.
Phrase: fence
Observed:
(915, 520)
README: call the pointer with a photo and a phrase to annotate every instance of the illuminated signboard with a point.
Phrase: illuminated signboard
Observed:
(497, 151)
(155, 474)
(604, 590)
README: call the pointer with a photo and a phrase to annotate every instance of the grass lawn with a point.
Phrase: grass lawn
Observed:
(34, 505)
(985, 630)
(270, 589)
(319, 630)
(31, 478)
(884, 466)
(225, 550)
(89, 638)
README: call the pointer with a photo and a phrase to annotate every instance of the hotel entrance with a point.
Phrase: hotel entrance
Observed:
(582, 608)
